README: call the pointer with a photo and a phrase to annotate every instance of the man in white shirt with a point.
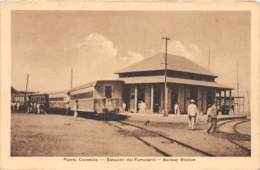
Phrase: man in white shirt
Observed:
(76, 106)
(192, 113)
(67, 104)
(213, 121)
(176, 109)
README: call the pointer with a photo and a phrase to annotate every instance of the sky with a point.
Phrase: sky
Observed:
(47, 44)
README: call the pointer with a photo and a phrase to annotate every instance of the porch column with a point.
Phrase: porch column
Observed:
(135, 104)
(225, 97)
(152, 99)
(230, 103)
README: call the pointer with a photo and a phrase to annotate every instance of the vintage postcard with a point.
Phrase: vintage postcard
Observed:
(130, 86)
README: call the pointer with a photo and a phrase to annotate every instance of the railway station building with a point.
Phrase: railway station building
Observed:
(144, 82)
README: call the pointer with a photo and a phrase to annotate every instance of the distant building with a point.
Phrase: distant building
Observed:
(144, 81)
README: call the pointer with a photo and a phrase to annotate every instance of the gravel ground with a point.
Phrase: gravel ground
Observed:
(176, 127)
(58, 135)
(244, 128)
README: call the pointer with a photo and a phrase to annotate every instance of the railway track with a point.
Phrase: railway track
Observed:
(168, 146)
(235, 134)
(162, 144)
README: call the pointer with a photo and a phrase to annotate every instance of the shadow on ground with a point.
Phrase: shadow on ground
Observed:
(104, 116)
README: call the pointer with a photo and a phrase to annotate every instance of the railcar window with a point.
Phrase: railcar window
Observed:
(108, 92)
(83, 95)
(57, 99)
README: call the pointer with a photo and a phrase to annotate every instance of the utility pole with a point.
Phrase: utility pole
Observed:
(26, 88)
(237, 79)
(71, 78)
(238, 102)
(209, 60)
(165, 78)
(248, 102)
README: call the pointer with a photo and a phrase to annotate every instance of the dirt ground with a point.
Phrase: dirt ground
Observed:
(58, 135)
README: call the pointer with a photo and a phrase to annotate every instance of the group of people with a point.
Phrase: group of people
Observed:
(35, 107)
(211, 113)
(15, 106)
(31, 107)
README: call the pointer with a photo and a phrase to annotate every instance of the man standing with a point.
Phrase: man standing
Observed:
(38, 105)
(209, 113)
(17, 106)
(192, 113)
(76, 106)
(213, 119)
(67, 105)
(176, 109)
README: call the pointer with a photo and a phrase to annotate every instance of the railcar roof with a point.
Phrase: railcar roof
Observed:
(93, 84)
(58, 92)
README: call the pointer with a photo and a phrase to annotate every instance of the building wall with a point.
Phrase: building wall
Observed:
(132, 99)
(187, 98)
(162, 98)
(204, 98)
(148, 97)
(183, 97)
(200, 99)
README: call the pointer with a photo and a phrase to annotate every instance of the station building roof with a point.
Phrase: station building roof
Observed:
(175, 63)
(160, 79)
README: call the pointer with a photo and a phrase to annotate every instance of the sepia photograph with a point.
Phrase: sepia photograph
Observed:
(124, 85)
(130, 83)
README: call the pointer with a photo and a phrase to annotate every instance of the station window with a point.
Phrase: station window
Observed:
(108, 92)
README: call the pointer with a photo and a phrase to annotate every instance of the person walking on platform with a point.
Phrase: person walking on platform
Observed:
(17, 106)
(67, 105)
(35, 107)
(213, 119)
(76, 106)
(209, 113)
(38, 106)
(176, 109)
(192, 113)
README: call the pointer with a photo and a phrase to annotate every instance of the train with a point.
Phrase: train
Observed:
(101, 96)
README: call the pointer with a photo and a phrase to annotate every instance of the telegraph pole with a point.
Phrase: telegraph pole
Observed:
(165, 78)
(26, 88)
(237, 79)
(238, 103)
(71, 78)
(209, 60)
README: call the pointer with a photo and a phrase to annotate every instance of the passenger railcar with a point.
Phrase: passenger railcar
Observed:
(20, 98)
(102, 96)
(57, 101)
(40, 98)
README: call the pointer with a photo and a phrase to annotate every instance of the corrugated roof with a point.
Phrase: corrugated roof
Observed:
(175, 63)
(160, 79)
(86, 85)
(91, 84)
(58, 93)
